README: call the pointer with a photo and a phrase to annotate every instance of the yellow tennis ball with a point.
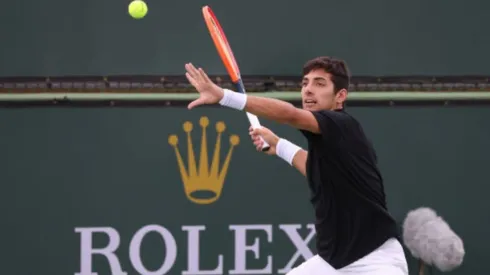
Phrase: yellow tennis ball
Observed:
(137, 9)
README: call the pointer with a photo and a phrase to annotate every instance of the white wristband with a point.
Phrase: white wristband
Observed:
(233, 99)
(286, 150)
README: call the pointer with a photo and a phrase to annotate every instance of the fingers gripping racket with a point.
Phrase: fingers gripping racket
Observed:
(224, 51)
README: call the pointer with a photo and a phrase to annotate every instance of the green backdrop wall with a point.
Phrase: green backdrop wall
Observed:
(80, 179)
(59, 37)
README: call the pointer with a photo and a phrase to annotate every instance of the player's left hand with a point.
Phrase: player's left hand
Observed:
(267, 135)
(209, 92)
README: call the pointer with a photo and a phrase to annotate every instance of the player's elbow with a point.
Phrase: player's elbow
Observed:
(303, 119)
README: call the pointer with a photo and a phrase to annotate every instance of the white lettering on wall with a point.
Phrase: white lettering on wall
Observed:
(193, 249)
(170, 248)
(87, 250)
(241, 248)
(299, 243)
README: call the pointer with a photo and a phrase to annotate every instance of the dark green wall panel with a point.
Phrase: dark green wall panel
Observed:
(69, 168)
(57, 37)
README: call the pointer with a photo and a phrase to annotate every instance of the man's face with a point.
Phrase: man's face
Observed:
(317, 92)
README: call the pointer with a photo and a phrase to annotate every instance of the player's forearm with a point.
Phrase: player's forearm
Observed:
(270, 108)
(273, 109)
(292, 154)
(299, 161)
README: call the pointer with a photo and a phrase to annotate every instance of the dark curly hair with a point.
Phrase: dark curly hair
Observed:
(337, 68)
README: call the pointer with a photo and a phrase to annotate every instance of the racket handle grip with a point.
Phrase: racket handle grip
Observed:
(265, 146)
(254, 122)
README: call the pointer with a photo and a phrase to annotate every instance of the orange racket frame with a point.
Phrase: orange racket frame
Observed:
(226, 54)
(221, 43)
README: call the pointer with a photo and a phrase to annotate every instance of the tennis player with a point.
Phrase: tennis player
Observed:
(355, 233)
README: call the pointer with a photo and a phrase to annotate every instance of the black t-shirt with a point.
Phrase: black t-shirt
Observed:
(347, 190)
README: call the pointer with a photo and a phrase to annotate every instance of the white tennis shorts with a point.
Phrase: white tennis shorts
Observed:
(388, 259)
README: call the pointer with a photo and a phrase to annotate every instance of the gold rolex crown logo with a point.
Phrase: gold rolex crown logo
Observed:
(203, 184)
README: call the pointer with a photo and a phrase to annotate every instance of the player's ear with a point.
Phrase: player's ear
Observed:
(341, 96)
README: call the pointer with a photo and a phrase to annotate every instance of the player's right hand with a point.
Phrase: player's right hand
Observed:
(267, 135)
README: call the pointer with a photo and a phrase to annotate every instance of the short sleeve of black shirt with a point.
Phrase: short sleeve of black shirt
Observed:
(347, 190)
(331, 124)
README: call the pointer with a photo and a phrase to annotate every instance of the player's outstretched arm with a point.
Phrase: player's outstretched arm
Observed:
(283, 148)
(273, 109)
(280, 111)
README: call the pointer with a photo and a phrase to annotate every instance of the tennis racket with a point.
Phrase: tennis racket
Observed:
(224, 51)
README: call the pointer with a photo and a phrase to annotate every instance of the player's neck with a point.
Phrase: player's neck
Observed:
(338, 107)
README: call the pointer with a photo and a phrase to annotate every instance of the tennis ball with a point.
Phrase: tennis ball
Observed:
(137, 9)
